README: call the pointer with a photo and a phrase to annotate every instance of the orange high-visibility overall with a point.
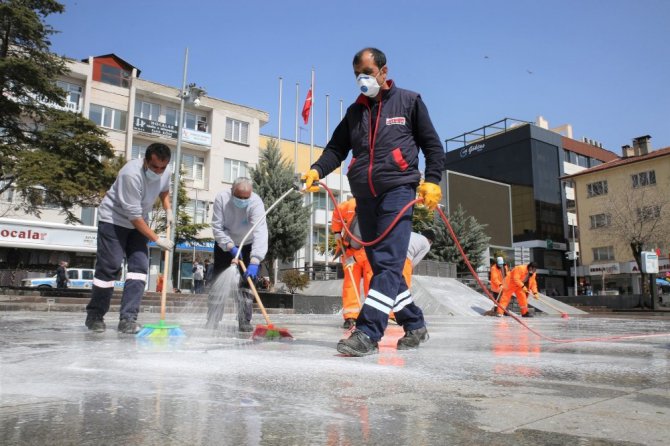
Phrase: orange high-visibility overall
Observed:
(515, 283)
(354, 263)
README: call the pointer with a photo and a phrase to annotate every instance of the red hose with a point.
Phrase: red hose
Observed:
(474, 273)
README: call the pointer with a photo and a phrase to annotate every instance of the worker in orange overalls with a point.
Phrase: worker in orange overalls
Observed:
(499, 271)
(519, 282)
(354, 261)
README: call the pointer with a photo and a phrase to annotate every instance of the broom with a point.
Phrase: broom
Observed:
(564, 315)
(161, 329)
(268, 331)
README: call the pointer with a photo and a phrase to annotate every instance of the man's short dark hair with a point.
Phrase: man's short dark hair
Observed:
(161, 151)
(532, 265)
(377, 55)
(429, 234)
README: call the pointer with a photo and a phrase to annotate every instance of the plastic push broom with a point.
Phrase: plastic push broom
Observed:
(268, 331)
(161, 329)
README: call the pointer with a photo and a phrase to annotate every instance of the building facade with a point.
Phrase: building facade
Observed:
(616, 202)
(220, 141)
(531, 158)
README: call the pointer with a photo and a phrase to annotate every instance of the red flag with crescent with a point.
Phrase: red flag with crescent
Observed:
(307, 107)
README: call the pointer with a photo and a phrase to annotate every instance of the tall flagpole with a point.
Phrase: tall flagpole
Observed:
(342, 200)
(295, 148)
(327, 136)
(311, 201)
(275, 265)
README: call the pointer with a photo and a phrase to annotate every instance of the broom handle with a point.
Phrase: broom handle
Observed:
(548, 304)
(253, 289)
(165, 281)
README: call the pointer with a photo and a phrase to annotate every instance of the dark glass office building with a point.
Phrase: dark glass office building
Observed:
(531, 160)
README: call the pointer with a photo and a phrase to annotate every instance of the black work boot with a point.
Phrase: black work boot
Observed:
(95, 322)
(245, 327)
(349, 323)
(413, 338)
(527, 315)
(358, 344)
(128, 326)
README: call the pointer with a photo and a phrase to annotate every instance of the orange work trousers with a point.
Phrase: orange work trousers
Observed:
(353, 274)
(521, 298)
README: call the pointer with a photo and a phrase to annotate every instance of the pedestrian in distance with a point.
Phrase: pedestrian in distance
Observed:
(198, 271)
(209, 273)
(61, 275)
(123, 232)
(384, 128)
(235, 212)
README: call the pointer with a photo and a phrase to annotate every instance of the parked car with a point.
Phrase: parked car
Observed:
(80, 279)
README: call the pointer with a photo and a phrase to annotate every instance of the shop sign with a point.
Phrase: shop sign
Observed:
(19, 234)
(472, 148)
(195, 137)
(155, 128)
(604, 268)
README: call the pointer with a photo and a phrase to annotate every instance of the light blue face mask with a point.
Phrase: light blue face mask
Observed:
(240, 202)
(151, 175)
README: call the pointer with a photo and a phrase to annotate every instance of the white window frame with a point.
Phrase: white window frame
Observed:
(193, 167)
(644, 179)
(237, 131)
(194, 121)
(198, 215)
(176, 116)
(112, 114)
(147, 110)
(600, 220)
(596, 189)
(233, 169)
(72, 91)
(646, 213)
(603, 253)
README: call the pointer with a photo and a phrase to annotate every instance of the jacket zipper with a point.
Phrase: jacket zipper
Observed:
(372, 138)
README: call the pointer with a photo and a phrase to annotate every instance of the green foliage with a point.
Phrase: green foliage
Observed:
(422, 219)
(288, 222)
(295, 280)
(470, 235)
(47, 155)
(187, 230)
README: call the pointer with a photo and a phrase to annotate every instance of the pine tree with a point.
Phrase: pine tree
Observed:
(48, 156)
(288, 222)
(471, 237)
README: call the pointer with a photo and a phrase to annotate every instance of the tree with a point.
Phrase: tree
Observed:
(288, 222)
(187, 230)
(422, 219)
(471, 237)
(638, 218)
(48, 156)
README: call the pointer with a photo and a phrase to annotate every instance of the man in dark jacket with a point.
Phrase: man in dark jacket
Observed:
(61, 275)
(385, 128)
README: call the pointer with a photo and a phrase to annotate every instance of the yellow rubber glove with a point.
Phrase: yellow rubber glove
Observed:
(310, 178)
(431, 194)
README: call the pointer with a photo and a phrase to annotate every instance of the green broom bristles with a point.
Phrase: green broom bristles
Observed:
(160, 330)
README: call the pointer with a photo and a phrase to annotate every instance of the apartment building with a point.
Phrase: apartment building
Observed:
(220, 142)
(632, 190)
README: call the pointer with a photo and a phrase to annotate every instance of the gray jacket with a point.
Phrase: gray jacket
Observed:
(418, 248)
(132, 196)
(230, 224)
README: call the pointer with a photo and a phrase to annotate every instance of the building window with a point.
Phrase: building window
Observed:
(603, 253)
(7, 196)
(644, 179)
(171, 116)
(582, 161)
(600, 220)
(233, 169)
(648, 213)
(596, 189)
(193, 167)
(237, 131)
(195, 122)
(138, 151)
(319, 200)
(594, 162)
(147, 110)
(197, 210)
(114, 76)
(72, 95)
(108, 117)
(570, 204)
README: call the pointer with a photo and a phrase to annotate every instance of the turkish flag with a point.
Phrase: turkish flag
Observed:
(307, 106)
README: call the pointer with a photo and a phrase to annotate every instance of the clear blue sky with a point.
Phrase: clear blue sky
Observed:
(602, 66)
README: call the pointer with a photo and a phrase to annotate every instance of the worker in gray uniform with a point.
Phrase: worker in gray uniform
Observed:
(123, 232)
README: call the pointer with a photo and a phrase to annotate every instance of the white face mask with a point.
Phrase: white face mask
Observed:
(151, 175)
(368, 84)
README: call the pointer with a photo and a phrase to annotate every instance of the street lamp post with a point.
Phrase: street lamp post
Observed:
(192, 94)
